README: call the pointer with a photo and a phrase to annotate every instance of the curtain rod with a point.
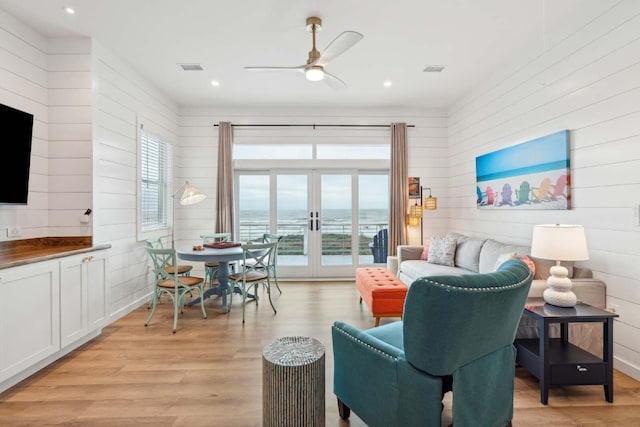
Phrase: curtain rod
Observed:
(315, 126)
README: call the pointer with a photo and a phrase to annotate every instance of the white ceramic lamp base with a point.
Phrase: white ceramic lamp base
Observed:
(559, 288)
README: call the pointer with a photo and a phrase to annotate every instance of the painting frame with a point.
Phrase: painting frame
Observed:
(414, 187)
(535, 174)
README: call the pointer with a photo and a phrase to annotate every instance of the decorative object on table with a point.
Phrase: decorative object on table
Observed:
(543, 161)
(293, 385)
(559, 242)
(190, 196)
(222, 245)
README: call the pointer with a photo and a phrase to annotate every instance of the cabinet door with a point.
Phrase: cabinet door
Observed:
(97, 291)
(29, 315)
(73, 299)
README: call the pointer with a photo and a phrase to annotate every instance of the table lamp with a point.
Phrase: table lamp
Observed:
(559, 242)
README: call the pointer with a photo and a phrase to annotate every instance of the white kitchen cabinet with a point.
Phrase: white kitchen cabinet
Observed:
(29, 315)
(83, 296)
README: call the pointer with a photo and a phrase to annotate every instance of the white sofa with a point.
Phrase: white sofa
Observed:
(475, 255)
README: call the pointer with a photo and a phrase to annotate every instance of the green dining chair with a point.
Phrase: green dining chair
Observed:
(183, 269)
(172, 284)
(271, 238)
(258, 260)
(211, 267)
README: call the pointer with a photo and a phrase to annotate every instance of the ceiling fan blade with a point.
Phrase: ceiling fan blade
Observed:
(334, 82)
(338, 46)
(298, 68)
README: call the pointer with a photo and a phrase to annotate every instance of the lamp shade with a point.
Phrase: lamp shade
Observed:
(192, 195)
(413, 220)
(431, 203)
(415, 211)
(559, 242)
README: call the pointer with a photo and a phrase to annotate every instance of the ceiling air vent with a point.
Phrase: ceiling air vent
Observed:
(191, 67)
(433, 68)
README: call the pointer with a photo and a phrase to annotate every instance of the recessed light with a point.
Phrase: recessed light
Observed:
(387, 83)
(69, 10)
(215, 83)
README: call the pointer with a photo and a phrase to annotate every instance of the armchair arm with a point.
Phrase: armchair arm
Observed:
(357, 354)
(408, 252)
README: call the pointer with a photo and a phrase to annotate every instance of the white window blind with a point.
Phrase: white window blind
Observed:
(155, 196)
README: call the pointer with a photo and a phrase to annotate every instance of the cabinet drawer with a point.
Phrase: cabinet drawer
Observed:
(578, 374)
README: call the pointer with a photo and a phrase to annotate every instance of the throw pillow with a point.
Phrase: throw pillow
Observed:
(442, 251)
(529, 262)
(502, 258)
(425, 251)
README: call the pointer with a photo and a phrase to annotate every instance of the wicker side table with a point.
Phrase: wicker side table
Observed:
(293, 386)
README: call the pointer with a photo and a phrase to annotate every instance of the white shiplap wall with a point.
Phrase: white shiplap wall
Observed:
(120, 98)
(197, 158)
(587, 81)
(23, 85)
(70, 135)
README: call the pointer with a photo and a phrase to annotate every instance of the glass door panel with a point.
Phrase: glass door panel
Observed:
(373, 212)
(336, 215)
(292, 202)
(254, 206)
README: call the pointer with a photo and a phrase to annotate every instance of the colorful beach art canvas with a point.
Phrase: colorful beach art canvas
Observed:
(531, 175)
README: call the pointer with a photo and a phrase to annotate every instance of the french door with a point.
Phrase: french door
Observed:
(328, 217)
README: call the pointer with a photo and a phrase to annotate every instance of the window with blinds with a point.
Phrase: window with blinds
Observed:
(155, 190)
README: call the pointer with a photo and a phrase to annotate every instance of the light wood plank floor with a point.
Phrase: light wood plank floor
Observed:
(210, 372)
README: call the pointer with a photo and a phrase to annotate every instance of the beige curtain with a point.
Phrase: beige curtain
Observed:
(224, 188)
(398, 187)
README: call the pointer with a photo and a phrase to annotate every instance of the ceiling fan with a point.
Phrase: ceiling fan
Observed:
(314, 68)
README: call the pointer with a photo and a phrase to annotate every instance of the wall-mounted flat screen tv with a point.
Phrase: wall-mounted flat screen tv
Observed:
(15, 139)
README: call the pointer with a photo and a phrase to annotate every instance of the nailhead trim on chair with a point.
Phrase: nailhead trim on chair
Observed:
(493, 288)
(377, 350)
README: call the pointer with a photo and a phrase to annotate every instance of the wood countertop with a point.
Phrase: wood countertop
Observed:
(20, 252)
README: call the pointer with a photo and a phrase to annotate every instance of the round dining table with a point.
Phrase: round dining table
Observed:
(223, 257)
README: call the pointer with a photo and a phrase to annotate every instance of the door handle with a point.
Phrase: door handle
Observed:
(311, 221)
(317, 222)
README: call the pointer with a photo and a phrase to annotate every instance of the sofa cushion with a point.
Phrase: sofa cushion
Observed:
(413, 269)
(425, 251)
(543, 266)
(442, 251)
(468, 252)
(492, 249)
(503, 258)
(532, 265)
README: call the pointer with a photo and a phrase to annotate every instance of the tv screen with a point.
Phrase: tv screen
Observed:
(15, 134)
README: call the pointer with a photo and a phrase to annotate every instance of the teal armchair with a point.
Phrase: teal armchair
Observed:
(456, 335)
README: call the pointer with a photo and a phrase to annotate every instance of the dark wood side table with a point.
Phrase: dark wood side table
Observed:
(555, 361)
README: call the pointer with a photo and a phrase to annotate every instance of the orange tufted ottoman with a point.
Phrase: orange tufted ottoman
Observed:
(383, 292)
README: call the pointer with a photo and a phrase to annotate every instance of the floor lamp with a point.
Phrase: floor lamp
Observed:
(415, 214)
(190, 196)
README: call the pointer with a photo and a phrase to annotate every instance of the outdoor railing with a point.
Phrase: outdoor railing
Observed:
(336, 238)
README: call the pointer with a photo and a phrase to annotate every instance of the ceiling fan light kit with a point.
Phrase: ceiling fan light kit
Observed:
(314, 73)
(314, 68)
